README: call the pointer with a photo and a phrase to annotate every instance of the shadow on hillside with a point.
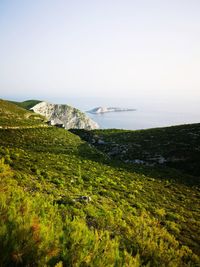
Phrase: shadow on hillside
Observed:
(88, 152)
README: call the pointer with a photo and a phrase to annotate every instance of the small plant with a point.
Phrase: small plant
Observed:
(160, 212)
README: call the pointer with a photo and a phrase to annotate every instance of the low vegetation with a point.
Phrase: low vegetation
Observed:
(64, 202)
(14, 116)
(177, 146)
(28, 104)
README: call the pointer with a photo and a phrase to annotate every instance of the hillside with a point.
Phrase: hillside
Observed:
(64, 202)
(28, 104)
(64, 115)
(177, 146)
(12, 115)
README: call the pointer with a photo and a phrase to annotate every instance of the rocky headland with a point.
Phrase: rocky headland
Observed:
(64, 115)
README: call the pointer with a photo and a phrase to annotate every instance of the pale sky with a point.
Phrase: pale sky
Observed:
(115, 48)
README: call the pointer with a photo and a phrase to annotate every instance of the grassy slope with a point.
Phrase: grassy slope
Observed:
(178, 145)
(12, 116)
(26, 104)
(131, 209)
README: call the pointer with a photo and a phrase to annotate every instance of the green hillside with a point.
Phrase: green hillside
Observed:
(26, 104)
(12, 115)
(64, 202)
(177, 146)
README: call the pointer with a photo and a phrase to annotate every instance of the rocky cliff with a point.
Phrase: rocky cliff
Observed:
(69, 116)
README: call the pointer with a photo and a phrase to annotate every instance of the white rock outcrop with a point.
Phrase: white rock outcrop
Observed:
(69, 116)
(100, 110)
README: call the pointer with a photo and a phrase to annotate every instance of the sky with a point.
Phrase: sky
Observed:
(100, 48)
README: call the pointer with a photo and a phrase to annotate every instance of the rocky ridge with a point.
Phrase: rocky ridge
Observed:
(65, 115)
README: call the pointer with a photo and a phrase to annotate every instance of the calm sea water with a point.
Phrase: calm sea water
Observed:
(150, 111)
(148, 114)
(141, 119)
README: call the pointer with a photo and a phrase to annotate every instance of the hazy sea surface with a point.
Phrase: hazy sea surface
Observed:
(141, 119)
(150, 113)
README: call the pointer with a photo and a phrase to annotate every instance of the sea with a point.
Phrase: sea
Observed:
(149, 113)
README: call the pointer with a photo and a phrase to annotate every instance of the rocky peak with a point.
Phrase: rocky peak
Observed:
(69, 116)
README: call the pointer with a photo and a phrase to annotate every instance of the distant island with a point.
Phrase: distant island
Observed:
(100, 110)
